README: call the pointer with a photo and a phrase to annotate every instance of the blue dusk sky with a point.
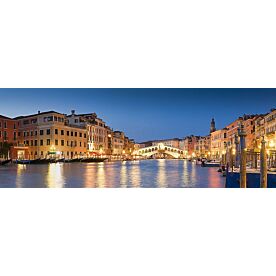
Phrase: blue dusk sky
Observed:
(145, 114)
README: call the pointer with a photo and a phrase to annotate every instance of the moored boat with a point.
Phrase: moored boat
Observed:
(93, 160)
(210, 164)
(4, 162)
(33, 161)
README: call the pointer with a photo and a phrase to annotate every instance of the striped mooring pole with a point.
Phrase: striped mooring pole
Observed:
(263, 165)
(242, 135)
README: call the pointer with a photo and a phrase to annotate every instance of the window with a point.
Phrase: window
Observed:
(84, 144)
(80, 134)
(41, 153)
(62, 142)
(56, 131)
(62, 132)
(14, 136)
(33, 121)
(36, 133)
(80, 144)
(32, 143)
(41, 142)
(84, 135)
(72, 134)
(76, 134)
(76, 120)
(56, 142)
(48, 119)
(5, 135)
(55, 119)
(14, 126)
(26, 122)
(67, 143)
(35, 142)
(27, 142)
(41, 132)
(68, 133)
(31, 133)
(5, 124)
(48, 142)
(48, 132)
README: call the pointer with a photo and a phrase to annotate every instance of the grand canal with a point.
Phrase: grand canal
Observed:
(145, 174)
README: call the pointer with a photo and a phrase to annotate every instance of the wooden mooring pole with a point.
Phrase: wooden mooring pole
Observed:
(263, 165)
(242, 135)
(237, 152)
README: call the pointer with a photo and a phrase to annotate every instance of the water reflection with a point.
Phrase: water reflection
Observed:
(100, 175)
(55, 177)
(89, 177)
(135, 174)
(161, 177)
(20, 175)
(123, 175)
(147, 173)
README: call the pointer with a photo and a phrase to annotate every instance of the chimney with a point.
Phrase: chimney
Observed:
(73, 112)
(38, 112)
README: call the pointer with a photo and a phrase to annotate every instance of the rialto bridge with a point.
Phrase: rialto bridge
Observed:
(160, 150)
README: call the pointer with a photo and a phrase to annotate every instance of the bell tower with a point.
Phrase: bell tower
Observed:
(213, 126)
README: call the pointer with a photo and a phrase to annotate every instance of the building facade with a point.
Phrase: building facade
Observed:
(218, 143)
(97, 131)
(48, 135)
(270, 130)
(8, 136)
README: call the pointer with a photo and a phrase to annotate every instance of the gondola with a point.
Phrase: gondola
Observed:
(73, 160)
(5, 162)
(93, 160)
(34, 161)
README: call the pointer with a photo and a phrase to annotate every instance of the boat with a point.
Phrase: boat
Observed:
(93, 160)
(4, 162)
(61, 160)
(210, 164)
(73, 160)
(33, 162)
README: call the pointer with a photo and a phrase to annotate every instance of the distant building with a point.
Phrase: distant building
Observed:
(212, 126)
(190, 145)
(218, 143)
(8, 135)
(270, 129)
(97, 131)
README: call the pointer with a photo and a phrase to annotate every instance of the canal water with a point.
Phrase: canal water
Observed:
(130, 174)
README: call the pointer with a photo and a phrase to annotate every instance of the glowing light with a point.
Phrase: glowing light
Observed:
(233, 151)
(271, 144)
(161, 146)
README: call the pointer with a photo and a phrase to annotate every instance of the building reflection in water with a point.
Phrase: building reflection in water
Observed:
(123, 175)
(100, 175)
(19, 175)
(214, 178)
(55, 176)
(161, 176)
(135, 174)
(90, 176)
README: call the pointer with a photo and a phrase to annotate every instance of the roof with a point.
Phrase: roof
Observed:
(41, 113)
(4, 117)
